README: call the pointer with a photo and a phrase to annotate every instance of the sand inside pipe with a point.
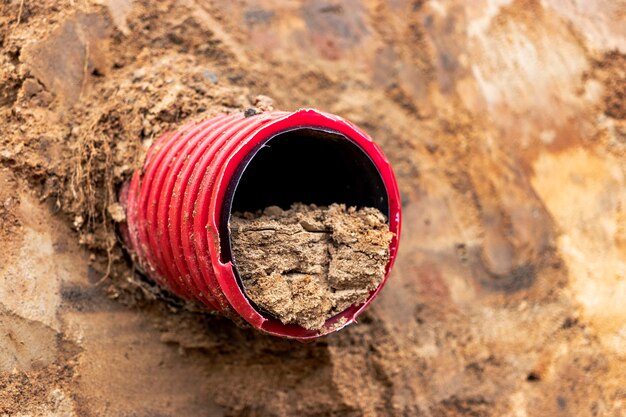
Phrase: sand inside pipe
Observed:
(307, 264)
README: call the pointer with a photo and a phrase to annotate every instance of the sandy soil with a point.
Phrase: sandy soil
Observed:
(307, 264)
(504, 121)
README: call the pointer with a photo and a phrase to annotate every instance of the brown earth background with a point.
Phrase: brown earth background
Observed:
(505, 123)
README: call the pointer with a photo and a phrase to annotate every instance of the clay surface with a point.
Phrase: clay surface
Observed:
(308, 263)
(503, 120)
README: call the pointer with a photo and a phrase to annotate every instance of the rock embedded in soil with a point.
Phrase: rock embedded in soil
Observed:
(307, 264)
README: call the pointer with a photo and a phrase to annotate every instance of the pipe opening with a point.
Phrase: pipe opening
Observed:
(309, 166)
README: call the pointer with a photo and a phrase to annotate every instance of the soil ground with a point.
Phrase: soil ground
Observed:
(504, 121)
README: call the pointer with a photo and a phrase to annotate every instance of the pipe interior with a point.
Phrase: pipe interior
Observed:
(305, 165)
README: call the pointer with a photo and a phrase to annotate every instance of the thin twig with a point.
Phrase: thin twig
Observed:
(19, 13)
(108, 270)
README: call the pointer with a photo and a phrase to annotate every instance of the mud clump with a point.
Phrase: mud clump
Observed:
(308, 263)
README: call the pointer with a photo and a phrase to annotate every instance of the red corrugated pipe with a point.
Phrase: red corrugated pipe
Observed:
(178, 206)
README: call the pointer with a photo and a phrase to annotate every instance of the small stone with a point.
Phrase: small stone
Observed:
(210, 76)
(117, 213)
(249, 112)
(312, 226)
(78, 221)
(263, 103)
(273, 211)
(31, 87)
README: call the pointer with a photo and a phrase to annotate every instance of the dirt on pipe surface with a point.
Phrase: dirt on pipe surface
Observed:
(306, 264)
(503, 120)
